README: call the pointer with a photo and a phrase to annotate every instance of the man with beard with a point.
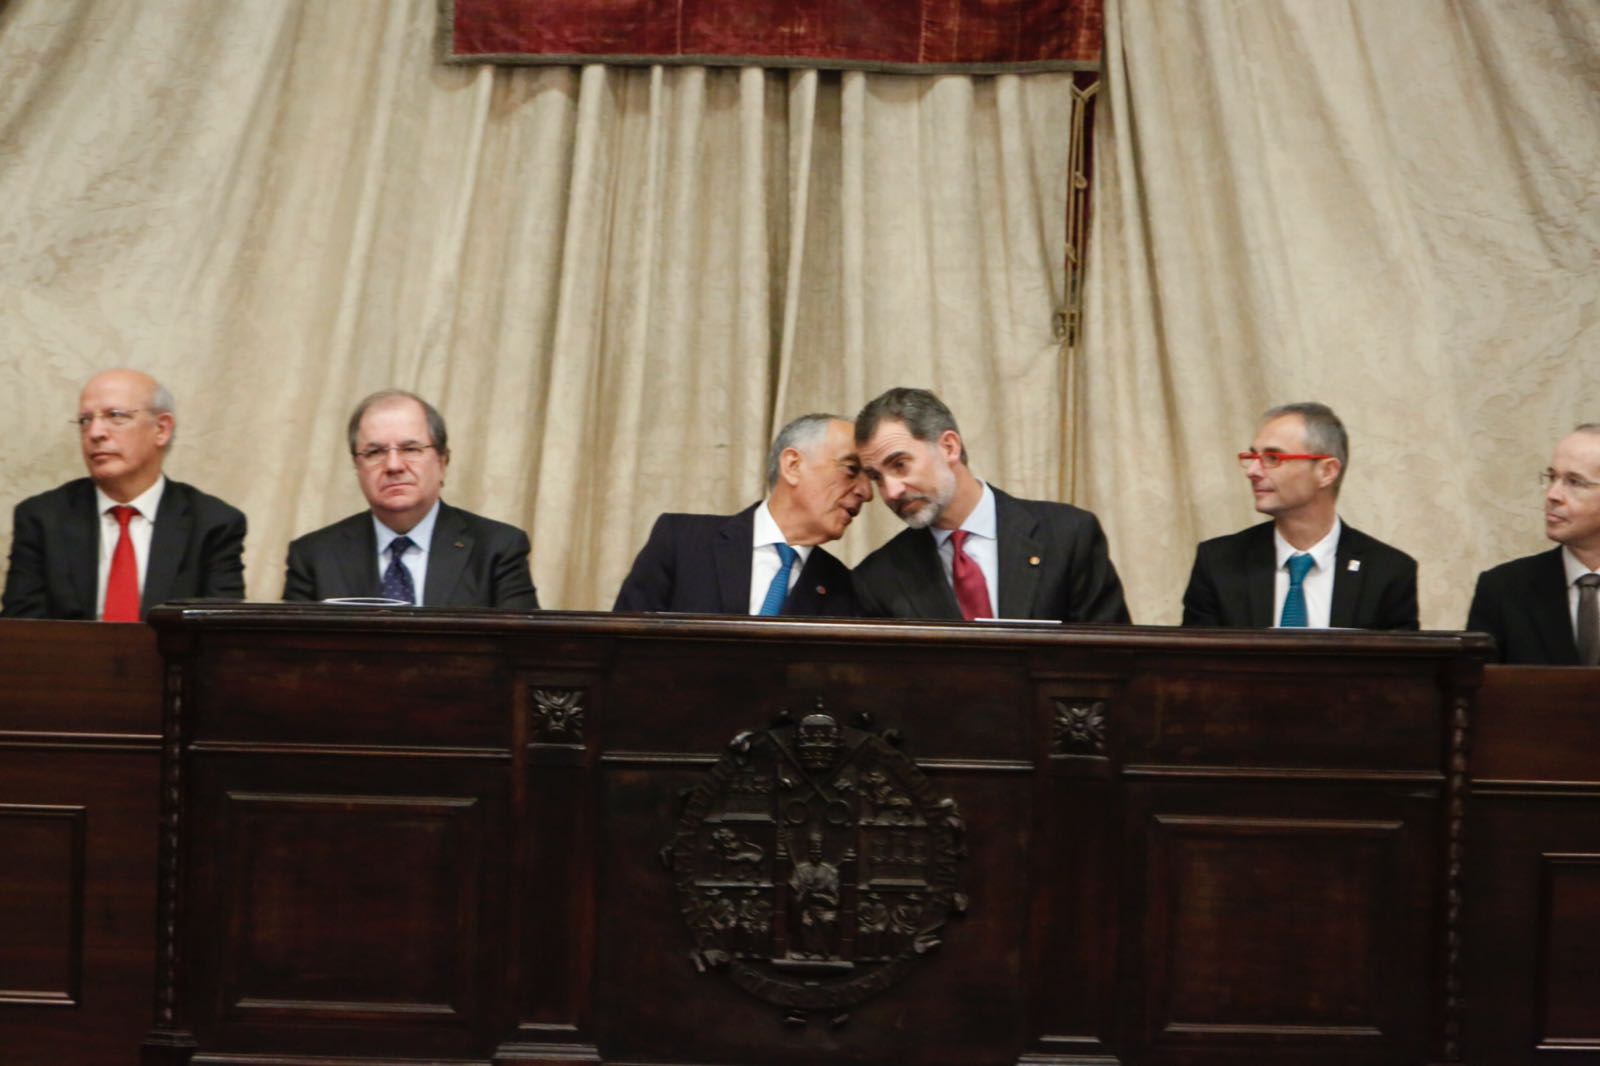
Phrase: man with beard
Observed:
(1545, 608)
(971, 550)
(767, 559)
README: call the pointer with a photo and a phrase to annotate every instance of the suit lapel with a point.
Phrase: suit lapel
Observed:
(1260, 577)
(1552, 616)
(922, 577)
(80, 537)
(1347, 581)
(174, 522)
(448, 553)
(731, 554)
(358, 562)
(1019, 543)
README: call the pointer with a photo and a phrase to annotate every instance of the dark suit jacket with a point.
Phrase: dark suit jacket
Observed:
(1523, 606)
(1232, 582)
(196, 551)
(700, 563)
(1053, 565)
(472, 562)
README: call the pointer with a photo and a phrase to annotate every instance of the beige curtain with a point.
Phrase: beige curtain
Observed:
(1392, 207)
(614, 283)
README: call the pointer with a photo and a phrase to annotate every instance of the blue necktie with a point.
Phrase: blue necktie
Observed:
(1294, 604)
(397, 579)
(778, 591)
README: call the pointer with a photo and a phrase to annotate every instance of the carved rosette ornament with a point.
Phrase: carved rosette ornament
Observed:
(1080, 727)
(557, 715)
(816, 865)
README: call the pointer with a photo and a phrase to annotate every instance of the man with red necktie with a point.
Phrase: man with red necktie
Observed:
(971, 551)
(125, 538)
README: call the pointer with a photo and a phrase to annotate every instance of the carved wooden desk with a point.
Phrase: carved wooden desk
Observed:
(463, 836)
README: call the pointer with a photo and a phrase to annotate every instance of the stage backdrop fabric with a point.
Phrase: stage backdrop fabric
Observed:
(617, 282)
(911, 36)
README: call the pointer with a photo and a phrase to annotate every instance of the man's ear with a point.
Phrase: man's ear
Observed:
(1328, 472)
(789, 465)
(950, 446)
(165, 424)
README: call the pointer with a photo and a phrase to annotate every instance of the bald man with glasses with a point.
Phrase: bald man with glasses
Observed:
(112, 545)
(409, 545)
(1305, 568)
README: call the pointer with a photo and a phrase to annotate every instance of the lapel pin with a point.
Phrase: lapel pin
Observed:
(822, 590)
(1353, 565)
(460, 544)
(1033, 560)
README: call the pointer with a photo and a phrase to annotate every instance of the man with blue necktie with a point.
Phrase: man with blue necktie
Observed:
(410, 545)
(1305, 568)
(767, 559)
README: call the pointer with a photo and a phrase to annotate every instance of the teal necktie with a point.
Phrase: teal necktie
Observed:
(1294, 604)
(778, 591)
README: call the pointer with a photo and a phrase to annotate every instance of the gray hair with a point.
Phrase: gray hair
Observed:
(440, 437)
(1324, 434)
(925, 416)
(802, 434)
(162, 403)
(1587, 427)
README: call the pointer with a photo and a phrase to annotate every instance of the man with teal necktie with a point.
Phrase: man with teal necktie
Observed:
(1305, 568)
(767, 559)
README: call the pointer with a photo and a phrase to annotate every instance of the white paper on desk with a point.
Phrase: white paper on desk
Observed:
(365, 601)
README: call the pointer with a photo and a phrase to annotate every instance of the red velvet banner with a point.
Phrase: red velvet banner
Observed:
(915, 36)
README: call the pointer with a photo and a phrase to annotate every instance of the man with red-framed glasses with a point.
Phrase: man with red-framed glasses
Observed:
(1305, 568)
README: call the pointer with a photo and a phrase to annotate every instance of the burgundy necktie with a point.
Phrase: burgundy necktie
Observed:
(972, 591)
(122, 584)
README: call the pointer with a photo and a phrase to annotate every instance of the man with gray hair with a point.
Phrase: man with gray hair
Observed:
(1544, 609)
(767, 559)
(124, 539)
(971, 551)
(1305, 568)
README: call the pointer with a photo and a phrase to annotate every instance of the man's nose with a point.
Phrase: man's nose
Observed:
(866, 490)
(391, 460)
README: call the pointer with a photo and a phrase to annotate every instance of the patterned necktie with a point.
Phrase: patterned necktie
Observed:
(778, 591)
(972, 591)
(397, 584)
(1294, 604)
(122, 584)
(1589, 620)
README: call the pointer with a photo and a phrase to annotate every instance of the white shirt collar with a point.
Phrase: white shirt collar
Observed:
(767, 532)
(421, 534)
(980, 523)
(146, 503)
(1322, 552)
(1575, 569)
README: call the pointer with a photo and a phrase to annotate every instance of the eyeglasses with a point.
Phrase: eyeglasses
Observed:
(1272, 460)
(377, 454)
(1570, 482)
(114, 417)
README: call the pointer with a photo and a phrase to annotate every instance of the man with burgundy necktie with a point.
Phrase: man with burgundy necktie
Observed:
(1305, 568)
(409, 545)
(971, 551)
(124, 539)
(768, 559)
(1544, 609)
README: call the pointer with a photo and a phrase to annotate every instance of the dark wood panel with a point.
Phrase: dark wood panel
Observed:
(41, 925)
(1538, 724)
(81, 679)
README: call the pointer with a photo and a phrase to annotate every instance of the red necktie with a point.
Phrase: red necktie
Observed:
(122, 586)
(972, 591)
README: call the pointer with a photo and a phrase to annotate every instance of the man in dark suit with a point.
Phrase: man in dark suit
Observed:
(767, 559)
(971, 550)
(1545, 608)
(118, 542)
(1305, 568)
(410, 545)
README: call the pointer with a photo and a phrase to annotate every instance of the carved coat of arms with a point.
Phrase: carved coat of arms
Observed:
(816, 864)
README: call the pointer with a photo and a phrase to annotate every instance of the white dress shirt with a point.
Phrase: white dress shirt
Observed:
(1318, 583)
(141, 527)
(415, 558)
(1575, 570)
(982, 547)
(765, 562)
